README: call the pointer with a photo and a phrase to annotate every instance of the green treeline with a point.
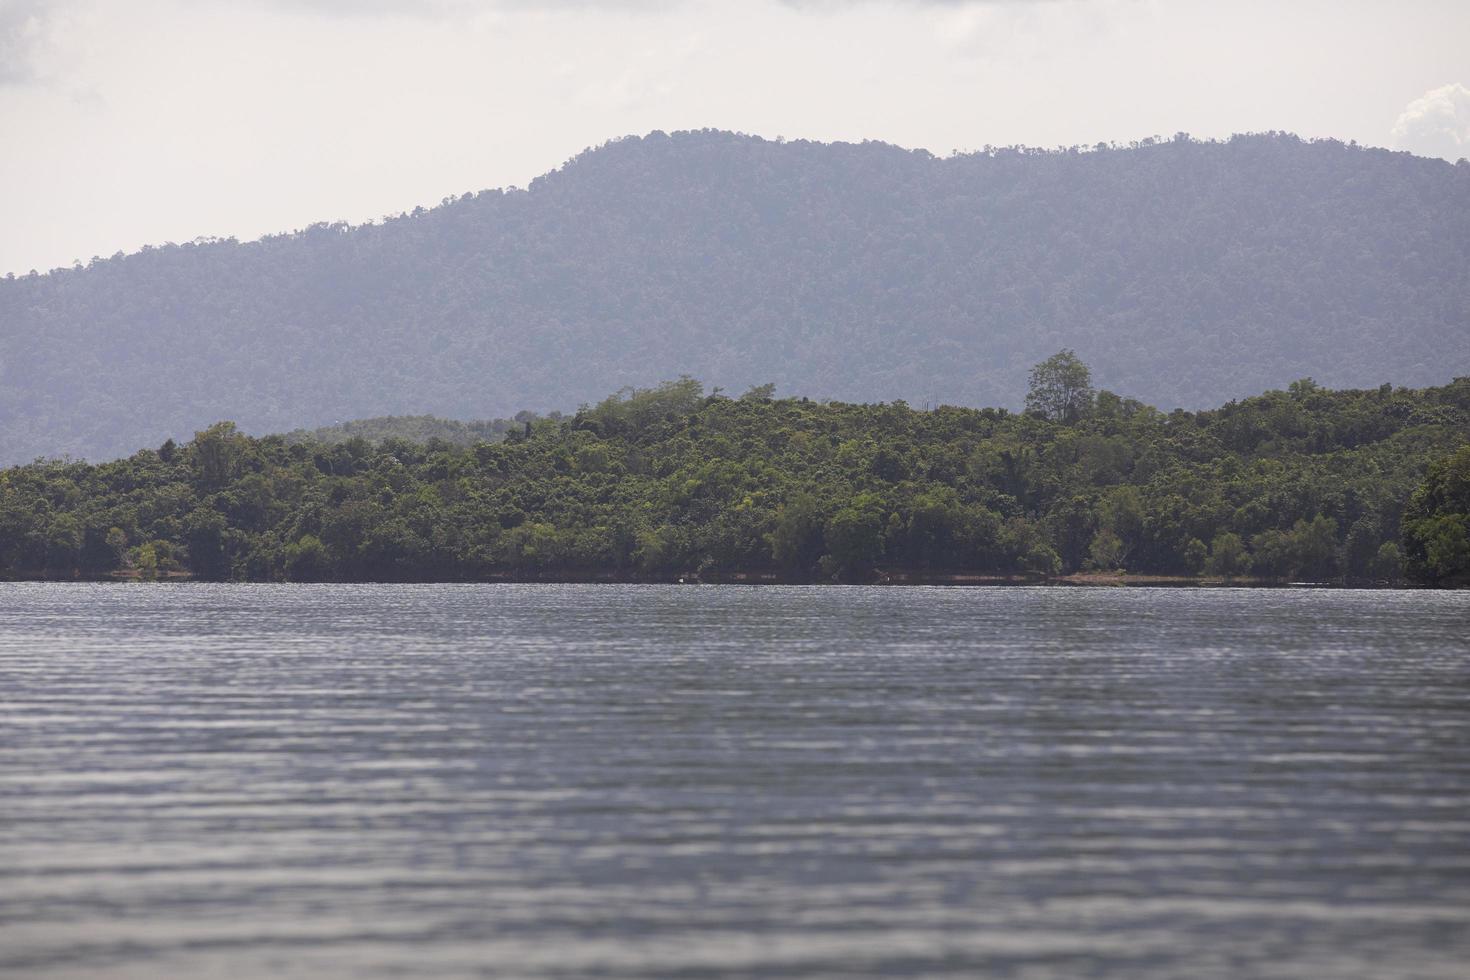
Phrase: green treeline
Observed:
(1358, 486)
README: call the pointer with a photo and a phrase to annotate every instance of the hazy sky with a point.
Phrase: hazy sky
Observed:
(125, 122)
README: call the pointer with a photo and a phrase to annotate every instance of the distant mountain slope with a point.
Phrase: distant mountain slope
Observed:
(1184, 273)
(410, 428)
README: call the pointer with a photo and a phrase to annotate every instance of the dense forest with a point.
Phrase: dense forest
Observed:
(1357, 486)
(1186, 273)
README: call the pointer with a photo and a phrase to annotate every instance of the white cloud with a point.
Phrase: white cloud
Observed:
(1437, 124)
(454, 9)
(23, 29)
(156, 120)
(40, 47)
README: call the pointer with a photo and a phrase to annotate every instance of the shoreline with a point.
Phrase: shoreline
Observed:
(894, 578)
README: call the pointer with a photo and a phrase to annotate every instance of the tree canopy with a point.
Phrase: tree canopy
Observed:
(1061, 388)
(1437, 524)
(1305, 484)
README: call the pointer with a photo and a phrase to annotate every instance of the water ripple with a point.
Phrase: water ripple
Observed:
(570, 781)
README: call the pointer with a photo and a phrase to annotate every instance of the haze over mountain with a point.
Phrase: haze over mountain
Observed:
(1184, 273)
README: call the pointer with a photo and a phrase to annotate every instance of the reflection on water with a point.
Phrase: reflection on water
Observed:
(568, 781)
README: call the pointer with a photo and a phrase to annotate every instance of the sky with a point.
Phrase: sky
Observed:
(149, 121)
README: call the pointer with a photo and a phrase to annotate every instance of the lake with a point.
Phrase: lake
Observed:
(661, 781)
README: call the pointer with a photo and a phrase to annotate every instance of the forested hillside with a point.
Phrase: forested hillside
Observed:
(1185, 273)
(1361, 486)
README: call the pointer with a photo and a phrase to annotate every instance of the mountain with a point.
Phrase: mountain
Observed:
(1184, 273)
(411, 428)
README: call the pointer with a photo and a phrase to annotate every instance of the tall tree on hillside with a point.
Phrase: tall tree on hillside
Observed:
(1061, 388)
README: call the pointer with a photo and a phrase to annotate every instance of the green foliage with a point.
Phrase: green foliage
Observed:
(1388, 564)
(669, 482)
(145, 559)
(797, 537)
(306, 559)
(1440, 547)
(1027, 549)
(1060, 388)
(1316, 544)
(206, 538)
(1187, 272)
(1227, 556)
(632, 410)
(1360, 550)
(854, 536)
(1273, 555)
(218, 454)
(1437, 522)
(1194, 556)
(1106, 551)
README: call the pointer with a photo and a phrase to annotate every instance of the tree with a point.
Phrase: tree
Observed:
(1440, 548)
(809, 490)
(1028, 549)
(1437, 522)
(1106, 552)
(205, 533)
(307, 559)
(63, 543)
(117, 542)
(1315, 545)
(796, 540)
(1273, 554)
(217, 452)
(1195, 555)
(147, 561)
(1388, 565)
(854, 535)
(1227, 556)
(1061, 388)
(1361, 548)
(1121, 512)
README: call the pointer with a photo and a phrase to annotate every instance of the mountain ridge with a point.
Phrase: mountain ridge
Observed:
(1185, 272)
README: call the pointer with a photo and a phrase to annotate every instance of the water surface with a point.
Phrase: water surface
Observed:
(646, 781)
